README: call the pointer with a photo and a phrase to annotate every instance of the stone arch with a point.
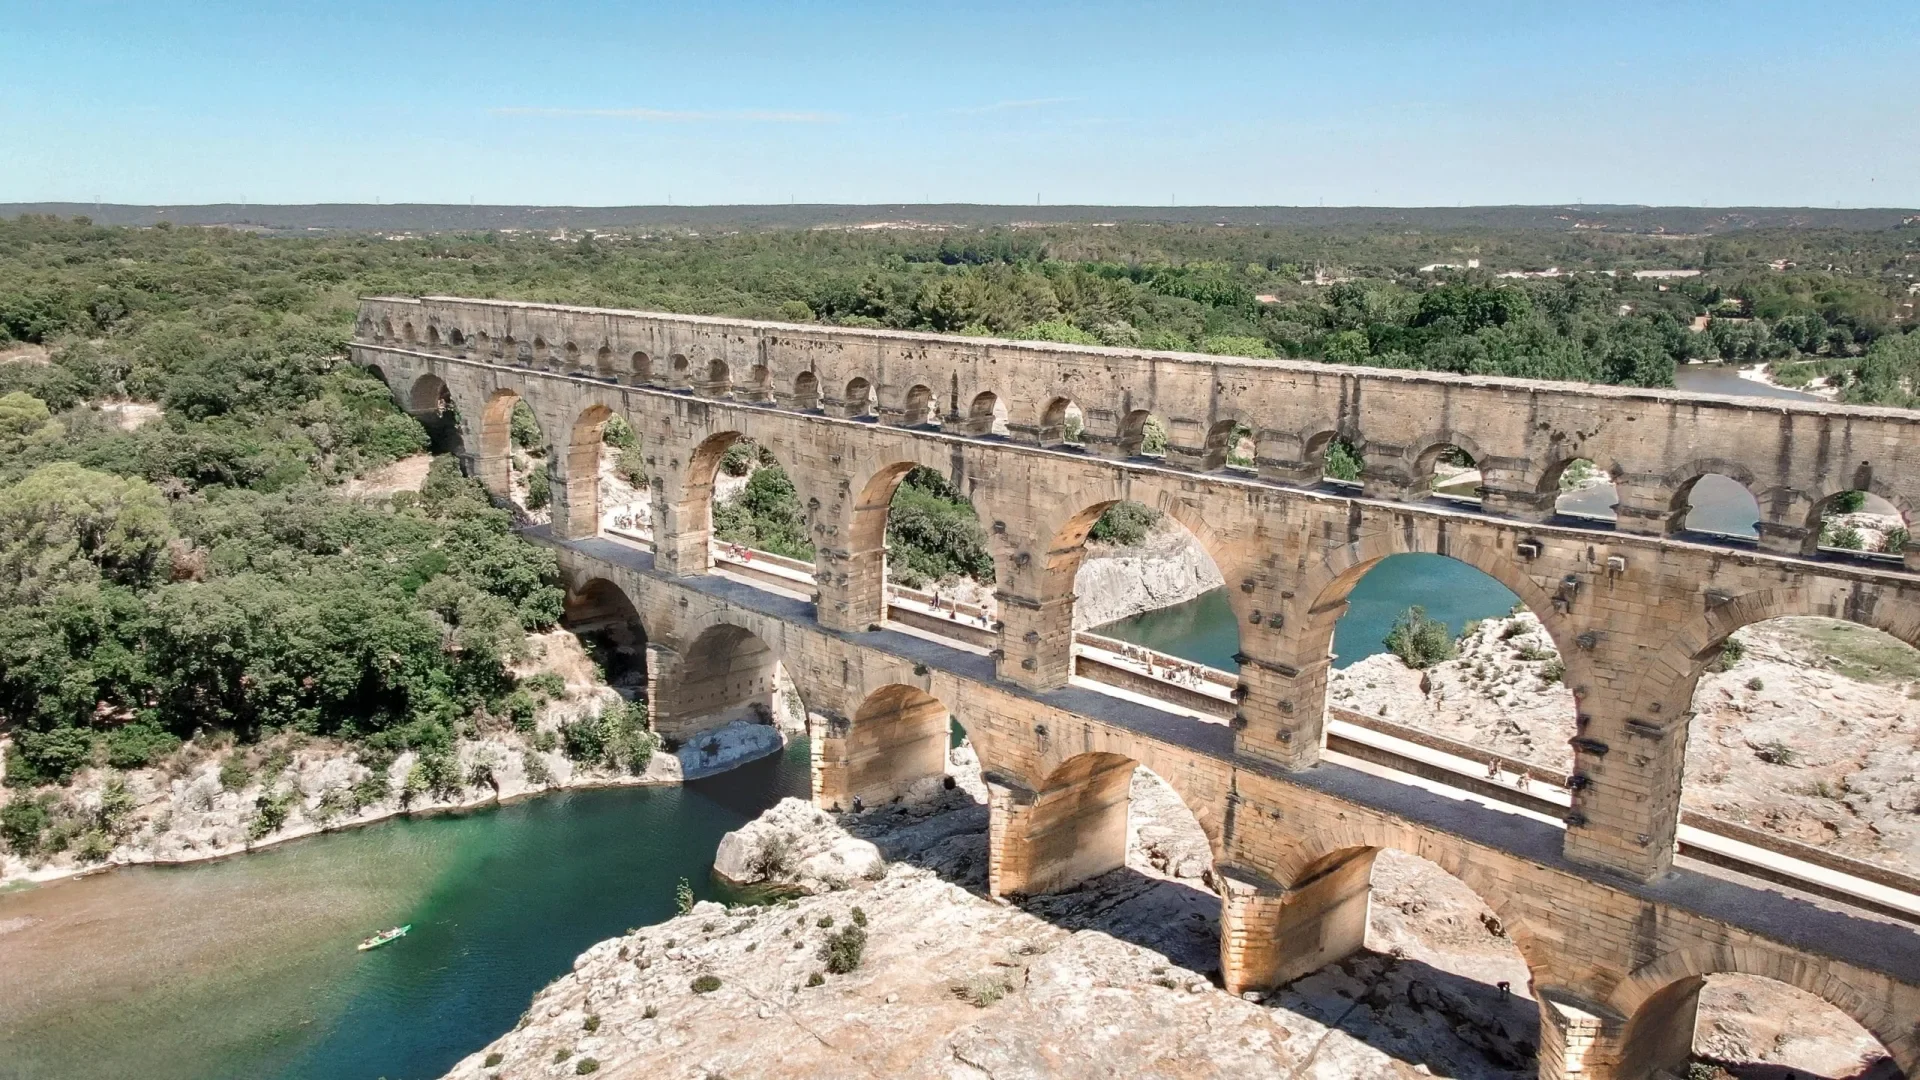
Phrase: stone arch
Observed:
(918, 408)
(640, 367)
(697, 502)
(433, 336)
(1075, 825)
(485, 345)
(860, 401)
(577, 514)
(759, 384)
(1718, 473)
(456, 339)
(1570, 500)
(1815, 512)
(1228, 444)
(806, 391)
(522, 352)
(719, 379)
(385, 330)
(600, 610)
(725, 672)
(987, 415)
(1316, 447)
(407, 332)
(570, 356)
(1136, 434)
(430, 401)
(541, 352)
(603, 364)
(1670, 680)
(1061, 422)
(1424, 467)
(1664, 989)
(1069, 538)
(896, 739)
(680, 370)
(1324, 589)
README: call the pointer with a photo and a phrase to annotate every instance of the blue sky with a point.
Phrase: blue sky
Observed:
(1354, 102)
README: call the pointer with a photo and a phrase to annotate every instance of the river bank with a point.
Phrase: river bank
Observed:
(213, 800)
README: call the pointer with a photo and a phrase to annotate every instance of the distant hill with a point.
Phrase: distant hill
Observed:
(430, 217)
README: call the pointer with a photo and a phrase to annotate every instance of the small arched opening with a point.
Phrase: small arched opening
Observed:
(860, 402)
(1340, 459)
(1584, 490)
(918, 410)
(1448, 472)
(759, 385)
(384, 332)
(719, 382)
(1378, 924)
(457, 340)
(640, 368)
(987, 415)
(682, 369)
(485, 345)
(725, 677)
(1143, 434)
(1717, 505)
(1230, 446)
(806, 392)
(603, 364)
(522, 352)
(433, 336)
(1728, 1026)
(1062, 423)
(1858, 523)
(407, 331)
(542, 352)
(570, 356)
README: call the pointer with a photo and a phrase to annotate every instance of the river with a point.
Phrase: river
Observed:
(246, 968)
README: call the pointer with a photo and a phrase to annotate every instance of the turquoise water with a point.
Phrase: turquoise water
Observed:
(246, 968)
(1204, 629)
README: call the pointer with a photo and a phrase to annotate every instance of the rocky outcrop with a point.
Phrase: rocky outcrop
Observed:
(1169, 567)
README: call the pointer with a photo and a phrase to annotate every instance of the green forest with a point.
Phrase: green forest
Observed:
(202, 572)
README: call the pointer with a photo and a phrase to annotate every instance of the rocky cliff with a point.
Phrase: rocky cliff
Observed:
(1169, 567)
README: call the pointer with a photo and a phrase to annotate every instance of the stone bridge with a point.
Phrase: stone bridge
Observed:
(1618, 933)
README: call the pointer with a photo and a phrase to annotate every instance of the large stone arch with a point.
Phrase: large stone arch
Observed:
(894, 739)
(1666, 684)
(1070, 823)
(692, 506)
(1663, 992)
(723, 671)
(1321, 597)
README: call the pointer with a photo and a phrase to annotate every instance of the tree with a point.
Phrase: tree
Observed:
(63, 525)
(1418, 640)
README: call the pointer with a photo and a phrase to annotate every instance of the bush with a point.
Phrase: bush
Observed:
(48, 757)
(269, 814)
(1755, 684)
(619, 434)
(1777, 753)
(1343, 462)
(548, 684)
(586, 1065)
(859, 917)
(816, 979)
(843, 949)
(22, 822)
(706, 984)
(539, 489)
(591, 1023)
(683, 897)
(234, 773)
(93, 846)
(1895, 541)
(1419, 641)
(494, 1057)
(739, 459)
(139, 744)
(982, 990)
(1124, 524)
(1553, 671)
(1730, 653)
(536, 768)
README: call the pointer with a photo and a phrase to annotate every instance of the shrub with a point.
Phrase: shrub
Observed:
(619, 434)
(774, 856)
(539, 489)
(116, 803)
(739, 459)
(536, 768)
(1777, 753)
(649, 1012)
(524, 427)
(825, 921)
(1343, 462)
(546, 742)
(494, 1057)
(93, 846)
(631, 466)
(139, 744)
(591, 1023)
(982, 990)
(1124, 524)
(269, 814)
(1755, 684)
(1553, 671)
(48, 757)
(706, 984)
(816, 979)
(22, 822)
(843, 949)
(859, 917)
(586, 1065)
(547, 684)
(683, 897)
(1418, 640)
(234, 774)
(1730, 653)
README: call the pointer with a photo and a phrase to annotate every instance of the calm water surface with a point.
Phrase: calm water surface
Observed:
(246, 968)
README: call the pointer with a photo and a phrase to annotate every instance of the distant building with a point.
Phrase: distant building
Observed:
(1470, 264)
(1664, 274)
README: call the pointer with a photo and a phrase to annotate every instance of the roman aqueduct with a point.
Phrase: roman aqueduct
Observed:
(1618, 931)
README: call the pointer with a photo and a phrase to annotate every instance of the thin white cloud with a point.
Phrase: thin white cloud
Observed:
(1005, 106)
(682, 116)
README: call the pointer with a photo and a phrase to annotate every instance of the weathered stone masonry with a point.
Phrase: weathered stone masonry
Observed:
(1636, 613)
